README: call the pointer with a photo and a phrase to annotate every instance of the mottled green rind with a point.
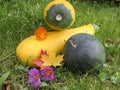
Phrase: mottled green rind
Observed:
(59, 9)
(89, 54)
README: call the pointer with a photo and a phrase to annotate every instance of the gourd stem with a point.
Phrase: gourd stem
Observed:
(58, 17)
(73, 45)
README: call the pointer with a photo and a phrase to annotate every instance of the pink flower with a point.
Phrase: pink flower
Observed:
(34, 77)
(48, 74)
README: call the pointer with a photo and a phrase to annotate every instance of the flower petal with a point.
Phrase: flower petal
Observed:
(34, 77)
(31, 80)
(41, 33)
(50, 76)
(37, 83)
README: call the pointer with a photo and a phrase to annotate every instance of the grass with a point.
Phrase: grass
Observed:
(19, 19)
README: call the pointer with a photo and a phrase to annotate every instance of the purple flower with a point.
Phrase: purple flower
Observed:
(34, 77)
(48, 74)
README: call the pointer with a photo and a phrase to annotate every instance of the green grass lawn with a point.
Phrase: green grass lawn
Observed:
(20, 18)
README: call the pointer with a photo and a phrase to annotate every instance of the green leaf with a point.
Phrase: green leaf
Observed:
(115, 78)
(103, 76)
(44, 84)
(4, 77)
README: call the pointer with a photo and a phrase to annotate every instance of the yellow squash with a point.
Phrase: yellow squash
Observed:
(29, 49)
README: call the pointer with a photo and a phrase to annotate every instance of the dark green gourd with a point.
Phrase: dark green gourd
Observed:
(84, 53)
(59, 16)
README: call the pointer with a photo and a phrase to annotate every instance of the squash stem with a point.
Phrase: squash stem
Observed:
(73, 45)
(96, 27)
(58, 17)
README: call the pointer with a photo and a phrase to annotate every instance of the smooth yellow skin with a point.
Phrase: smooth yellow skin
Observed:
(55, 2)
(29, 49)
